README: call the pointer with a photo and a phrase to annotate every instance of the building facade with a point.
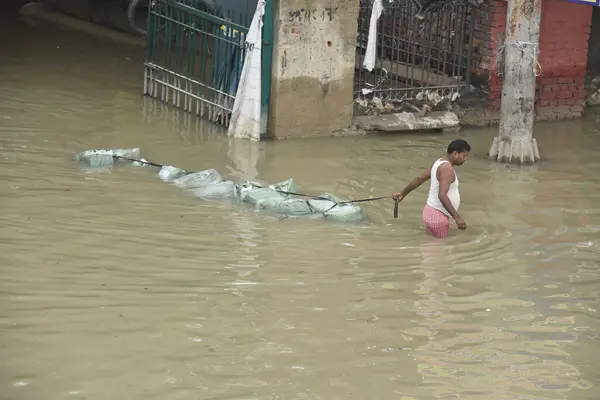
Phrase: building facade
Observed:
(563, 56)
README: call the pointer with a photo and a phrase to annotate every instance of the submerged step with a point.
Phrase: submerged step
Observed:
(407, 121)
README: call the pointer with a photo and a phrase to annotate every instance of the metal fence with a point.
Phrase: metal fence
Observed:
(195, 56)
(413, 54)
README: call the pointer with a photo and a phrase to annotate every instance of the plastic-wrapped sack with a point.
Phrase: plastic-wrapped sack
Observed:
(265, 196)
(216, 191)
(291, 207)
(142, 163)
(285, 186)
(322, 205)
(208, 184)
(200, 179)
(106, 158)
(170, 174)
(270, 196)
(345, 212)
(332, 208)
(244, 188)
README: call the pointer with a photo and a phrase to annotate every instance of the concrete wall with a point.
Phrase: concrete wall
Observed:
(313, 67)
(564, 34)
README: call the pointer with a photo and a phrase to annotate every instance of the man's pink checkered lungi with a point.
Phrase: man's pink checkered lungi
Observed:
(437, 223)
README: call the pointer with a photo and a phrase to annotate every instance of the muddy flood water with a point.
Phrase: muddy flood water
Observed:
(118, 286)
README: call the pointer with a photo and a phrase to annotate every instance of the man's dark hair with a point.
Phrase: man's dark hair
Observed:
(458, 145)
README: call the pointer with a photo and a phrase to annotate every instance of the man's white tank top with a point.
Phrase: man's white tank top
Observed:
(433, 199)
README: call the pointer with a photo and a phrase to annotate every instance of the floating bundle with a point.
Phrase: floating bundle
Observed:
(280, 198)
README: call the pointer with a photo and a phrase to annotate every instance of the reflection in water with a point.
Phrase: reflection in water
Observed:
(244, 155)
(117, 285)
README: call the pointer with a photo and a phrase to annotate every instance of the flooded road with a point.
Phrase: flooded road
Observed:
(116, 285)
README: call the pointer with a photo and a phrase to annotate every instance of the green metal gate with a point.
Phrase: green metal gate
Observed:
(196, 54)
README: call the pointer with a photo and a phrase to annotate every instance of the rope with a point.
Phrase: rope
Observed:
(138, 161)
(299, 194)
(364, 200)
(324, 198)
(355, 201)
(289, 193)
(537, 67)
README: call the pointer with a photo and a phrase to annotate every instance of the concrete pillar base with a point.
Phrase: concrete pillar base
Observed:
(517, 149)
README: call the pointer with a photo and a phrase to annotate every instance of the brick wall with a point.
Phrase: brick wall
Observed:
(564, 34)
(490, 21)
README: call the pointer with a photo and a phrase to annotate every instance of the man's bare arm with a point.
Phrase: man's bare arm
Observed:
(415, 183)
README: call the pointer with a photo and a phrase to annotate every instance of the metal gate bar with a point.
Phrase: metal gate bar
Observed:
(195, 58)
(414, 55)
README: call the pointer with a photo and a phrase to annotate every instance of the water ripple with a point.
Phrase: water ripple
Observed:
(118, 285)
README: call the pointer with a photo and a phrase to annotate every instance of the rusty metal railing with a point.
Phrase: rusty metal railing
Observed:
(415, 55)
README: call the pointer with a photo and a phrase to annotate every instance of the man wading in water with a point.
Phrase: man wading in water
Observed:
(444, 198)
